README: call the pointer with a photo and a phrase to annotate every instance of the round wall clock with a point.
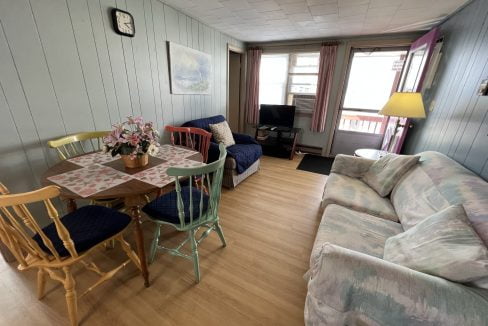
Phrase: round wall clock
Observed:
(123, 22)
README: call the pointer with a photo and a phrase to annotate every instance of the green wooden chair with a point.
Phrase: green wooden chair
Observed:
(187, 209)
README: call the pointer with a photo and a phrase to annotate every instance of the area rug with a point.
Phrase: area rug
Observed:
(316, 164)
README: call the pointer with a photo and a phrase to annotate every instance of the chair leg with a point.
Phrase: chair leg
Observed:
(219, 231)
(71, 296)
(41, 283)
(194, 253)
(155, 242)
(109, 244)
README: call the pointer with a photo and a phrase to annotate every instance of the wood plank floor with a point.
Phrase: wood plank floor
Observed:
(269, 222)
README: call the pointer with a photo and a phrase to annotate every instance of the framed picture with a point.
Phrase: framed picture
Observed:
(190, 70)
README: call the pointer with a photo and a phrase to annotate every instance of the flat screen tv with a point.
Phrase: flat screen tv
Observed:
(277, 115)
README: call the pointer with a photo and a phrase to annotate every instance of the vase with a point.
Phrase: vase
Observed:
(138, 162)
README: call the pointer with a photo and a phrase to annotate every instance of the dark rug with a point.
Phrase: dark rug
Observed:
(316, 164)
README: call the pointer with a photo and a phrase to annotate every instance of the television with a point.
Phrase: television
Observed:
(277, 115)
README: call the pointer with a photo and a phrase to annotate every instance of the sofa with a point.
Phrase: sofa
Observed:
(243, 158)
(349, 282)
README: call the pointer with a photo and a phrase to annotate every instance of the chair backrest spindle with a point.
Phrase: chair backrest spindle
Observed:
(194, 138)
(18, 226)
(73, 145)
(212, 174)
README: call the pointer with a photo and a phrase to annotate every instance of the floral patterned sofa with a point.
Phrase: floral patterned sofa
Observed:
(350, 284)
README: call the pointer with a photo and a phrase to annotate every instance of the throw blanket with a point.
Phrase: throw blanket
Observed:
(245, 155)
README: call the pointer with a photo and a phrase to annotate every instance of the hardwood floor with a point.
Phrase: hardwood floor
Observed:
(269, 221)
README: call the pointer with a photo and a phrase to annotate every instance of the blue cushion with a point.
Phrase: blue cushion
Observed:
(88, 226)
(164, 207)
(204, 122)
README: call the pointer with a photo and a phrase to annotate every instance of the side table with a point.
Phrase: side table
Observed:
(370, 153)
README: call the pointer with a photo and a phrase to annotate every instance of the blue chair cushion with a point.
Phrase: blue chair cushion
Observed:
(88, 226)
(164, 207)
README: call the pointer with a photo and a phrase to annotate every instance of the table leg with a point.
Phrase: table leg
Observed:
(71, 205)
(136, 216)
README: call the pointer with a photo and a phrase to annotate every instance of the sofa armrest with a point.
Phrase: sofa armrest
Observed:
(243, 139)
(352, 166)
(346, 287)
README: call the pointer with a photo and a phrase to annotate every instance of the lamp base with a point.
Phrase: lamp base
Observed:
(392, 137)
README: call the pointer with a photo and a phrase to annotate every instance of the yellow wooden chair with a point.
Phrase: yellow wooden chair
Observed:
(82, 143)
(54, 249)
(77, 144)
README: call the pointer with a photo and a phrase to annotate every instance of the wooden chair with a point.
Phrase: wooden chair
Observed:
(194, 138)
(82, 143)
(77, 144)
(187, 209)
(54, 249)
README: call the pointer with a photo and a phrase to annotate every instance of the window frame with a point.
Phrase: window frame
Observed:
(344, 89)
(291, 74)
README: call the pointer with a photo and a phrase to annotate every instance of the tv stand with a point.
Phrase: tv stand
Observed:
(277, 141)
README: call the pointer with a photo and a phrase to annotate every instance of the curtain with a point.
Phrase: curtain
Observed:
(328, 54)
(252, 85)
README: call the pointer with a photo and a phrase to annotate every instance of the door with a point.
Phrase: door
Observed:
(234, 90)
(413, 76)
(373, 75)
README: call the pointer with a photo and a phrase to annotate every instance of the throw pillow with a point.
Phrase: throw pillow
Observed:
(444, 244)
(385, 173)
(222, 133)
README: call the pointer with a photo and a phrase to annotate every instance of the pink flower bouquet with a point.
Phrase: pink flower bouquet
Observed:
(133, 137)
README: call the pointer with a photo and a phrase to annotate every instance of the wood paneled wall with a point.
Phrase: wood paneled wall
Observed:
(63, 70)
(458, 124)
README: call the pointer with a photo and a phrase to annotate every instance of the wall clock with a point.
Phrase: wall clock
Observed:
(123, 22)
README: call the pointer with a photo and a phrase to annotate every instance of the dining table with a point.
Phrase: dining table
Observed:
(99, 176)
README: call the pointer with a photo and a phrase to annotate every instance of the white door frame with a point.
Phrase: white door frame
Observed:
(344, 72)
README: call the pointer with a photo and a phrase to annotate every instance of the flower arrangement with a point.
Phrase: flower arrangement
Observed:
(133, 137)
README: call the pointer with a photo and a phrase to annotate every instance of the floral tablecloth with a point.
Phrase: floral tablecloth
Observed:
(94, 177)
(90, 180)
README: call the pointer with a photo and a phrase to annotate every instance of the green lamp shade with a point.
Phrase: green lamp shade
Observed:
(405, 105)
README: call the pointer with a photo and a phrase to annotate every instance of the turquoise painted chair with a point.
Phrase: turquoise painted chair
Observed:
(187, 209)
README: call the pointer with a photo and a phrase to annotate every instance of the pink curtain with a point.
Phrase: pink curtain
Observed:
(252, 85)
(328, 54)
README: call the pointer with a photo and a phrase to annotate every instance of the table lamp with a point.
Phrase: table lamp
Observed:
(403, 105)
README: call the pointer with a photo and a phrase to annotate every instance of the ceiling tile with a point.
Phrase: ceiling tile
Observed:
(271, 20)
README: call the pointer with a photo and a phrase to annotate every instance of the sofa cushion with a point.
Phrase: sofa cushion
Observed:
(352, 166)
(385, 173)
(416, 199)
(444, 245)
(203, 123)
(355, 194)
(222, 134)
(438, 182)
(354, 230)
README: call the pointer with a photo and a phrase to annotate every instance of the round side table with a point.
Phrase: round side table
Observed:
(370, 153)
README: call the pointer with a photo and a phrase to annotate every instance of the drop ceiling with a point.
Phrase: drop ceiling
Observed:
(272, 20)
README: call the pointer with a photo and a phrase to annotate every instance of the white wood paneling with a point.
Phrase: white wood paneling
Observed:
(64, 70)
(458, 124)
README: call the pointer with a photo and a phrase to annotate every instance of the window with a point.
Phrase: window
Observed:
(289, 79)
(303, 74)
(373, 76)
(272, 78)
